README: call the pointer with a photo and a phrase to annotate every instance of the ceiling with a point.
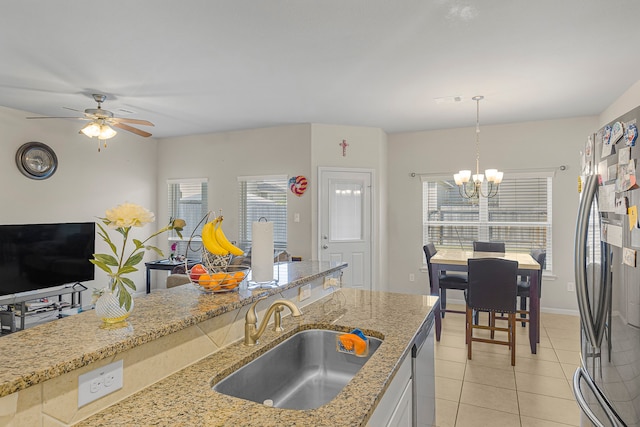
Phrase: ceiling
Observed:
(203, 66)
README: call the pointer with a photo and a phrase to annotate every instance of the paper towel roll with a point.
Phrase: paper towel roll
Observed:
(262, 252)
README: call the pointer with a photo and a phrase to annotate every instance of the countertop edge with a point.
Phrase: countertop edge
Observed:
(57, 366)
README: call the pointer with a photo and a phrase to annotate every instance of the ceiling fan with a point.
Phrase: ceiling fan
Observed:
(100, 121)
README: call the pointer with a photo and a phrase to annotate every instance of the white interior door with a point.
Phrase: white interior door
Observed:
(345, 223)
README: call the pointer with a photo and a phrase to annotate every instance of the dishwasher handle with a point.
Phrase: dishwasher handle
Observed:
(421, 336)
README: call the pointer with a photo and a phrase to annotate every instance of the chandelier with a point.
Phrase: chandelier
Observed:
(470, 186)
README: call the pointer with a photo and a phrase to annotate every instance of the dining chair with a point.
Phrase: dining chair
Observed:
(480, 246)
(447, 280)
(488, 246)
(524, 284)
(177, 279)
(492, 287)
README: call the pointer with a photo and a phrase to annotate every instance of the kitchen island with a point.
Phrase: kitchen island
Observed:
(186, 398)
(178, 339)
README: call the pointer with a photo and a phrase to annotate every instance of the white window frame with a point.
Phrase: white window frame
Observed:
(278, 217)
(467, 230)
(193, 228)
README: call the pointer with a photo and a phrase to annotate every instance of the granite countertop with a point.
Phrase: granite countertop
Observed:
(186, 398)
(52, 349)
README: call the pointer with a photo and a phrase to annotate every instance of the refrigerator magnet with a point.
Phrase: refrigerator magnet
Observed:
(629, 257)
(624, 155)
(630, 135)
(621, 205)
(617, 130)
(606, 135)
(633, 217)
(607, 148)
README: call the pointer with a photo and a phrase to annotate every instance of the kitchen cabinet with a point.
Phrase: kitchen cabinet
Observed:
(394, 409)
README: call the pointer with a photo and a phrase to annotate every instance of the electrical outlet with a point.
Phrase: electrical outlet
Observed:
(296, 217)
(330, 282)
(304, 292)
(571, 287)
(412, 277)
(100, 382)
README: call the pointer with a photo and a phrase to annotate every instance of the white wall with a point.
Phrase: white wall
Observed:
(222, 157)
(626, 102)
(292, 150)
(86, 184)
(546, 144)
(367, 149)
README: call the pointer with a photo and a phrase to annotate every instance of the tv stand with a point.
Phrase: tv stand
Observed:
(18, 302)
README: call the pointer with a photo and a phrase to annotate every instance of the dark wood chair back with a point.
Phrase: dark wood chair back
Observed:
(489, 246)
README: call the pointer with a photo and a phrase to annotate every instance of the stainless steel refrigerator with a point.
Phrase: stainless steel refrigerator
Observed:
(607, 386)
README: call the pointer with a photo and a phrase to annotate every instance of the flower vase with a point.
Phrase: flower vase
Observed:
(108, 308)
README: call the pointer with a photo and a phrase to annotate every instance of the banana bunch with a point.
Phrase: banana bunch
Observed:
(215, 241)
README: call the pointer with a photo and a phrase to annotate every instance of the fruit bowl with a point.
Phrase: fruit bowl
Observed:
(218, 280)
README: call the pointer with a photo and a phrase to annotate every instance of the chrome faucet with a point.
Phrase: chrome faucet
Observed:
(251, 335)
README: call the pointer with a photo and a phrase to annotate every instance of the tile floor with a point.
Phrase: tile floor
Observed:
(488, 391)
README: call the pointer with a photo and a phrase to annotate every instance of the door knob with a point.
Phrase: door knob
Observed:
(325, 247)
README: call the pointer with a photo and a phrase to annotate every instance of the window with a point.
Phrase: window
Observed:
(263, 197)
(188, 200)
(520, 215)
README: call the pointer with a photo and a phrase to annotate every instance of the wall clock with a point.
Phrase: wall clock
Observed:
(36, 160)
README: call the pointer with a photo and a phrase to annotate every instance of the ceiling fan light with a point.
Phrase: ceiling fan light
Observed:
(91, 130)
(106, 132)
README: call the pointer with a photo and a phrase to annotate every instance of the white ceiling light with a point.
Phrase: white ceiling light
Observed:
(99, 129)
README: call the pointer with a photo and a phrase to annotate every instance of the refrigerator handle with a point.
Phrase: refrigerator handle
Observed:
(577, 391)
(605, 295)
(580, 266)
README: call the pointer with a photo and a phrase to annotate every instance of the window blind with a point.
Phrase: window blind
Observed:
(263, 197)
(519, 215)
(188, 199)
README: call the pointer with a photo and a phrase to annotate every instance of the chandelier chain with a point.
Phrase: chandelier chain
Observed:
(477, 99)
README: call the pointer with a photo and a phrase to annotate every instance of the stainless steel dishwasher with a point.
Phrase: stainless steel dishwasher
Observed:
(423, 374)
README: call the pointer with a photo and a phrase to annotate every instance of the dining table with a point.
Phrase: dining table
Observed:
(456, 260)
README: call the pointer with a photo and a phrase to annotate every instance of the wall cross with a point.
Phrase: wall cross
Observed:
(344, 146)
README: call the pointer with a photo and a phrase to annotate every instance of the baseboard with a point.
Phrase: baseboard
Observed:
(549, 310)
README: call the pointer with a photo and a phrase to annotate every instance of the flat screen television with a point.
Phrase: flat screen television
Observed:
(37, 256)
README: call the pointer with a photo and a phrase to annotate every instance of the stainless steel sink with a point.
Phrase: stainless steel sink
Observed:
(303, 372)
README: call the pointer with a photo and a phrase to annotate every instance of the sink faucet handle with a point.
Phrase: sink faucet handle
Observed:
(277, 319)
(252, 315)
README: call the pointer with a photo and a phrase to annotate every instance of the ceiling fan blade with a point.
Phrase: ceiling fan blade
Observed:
(76, 118)
(132, 121)
(131, 129)
(72, 109)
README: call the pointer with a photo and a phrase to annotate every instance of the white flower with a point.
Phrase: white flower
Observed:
(118, 264)
(129, 215)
